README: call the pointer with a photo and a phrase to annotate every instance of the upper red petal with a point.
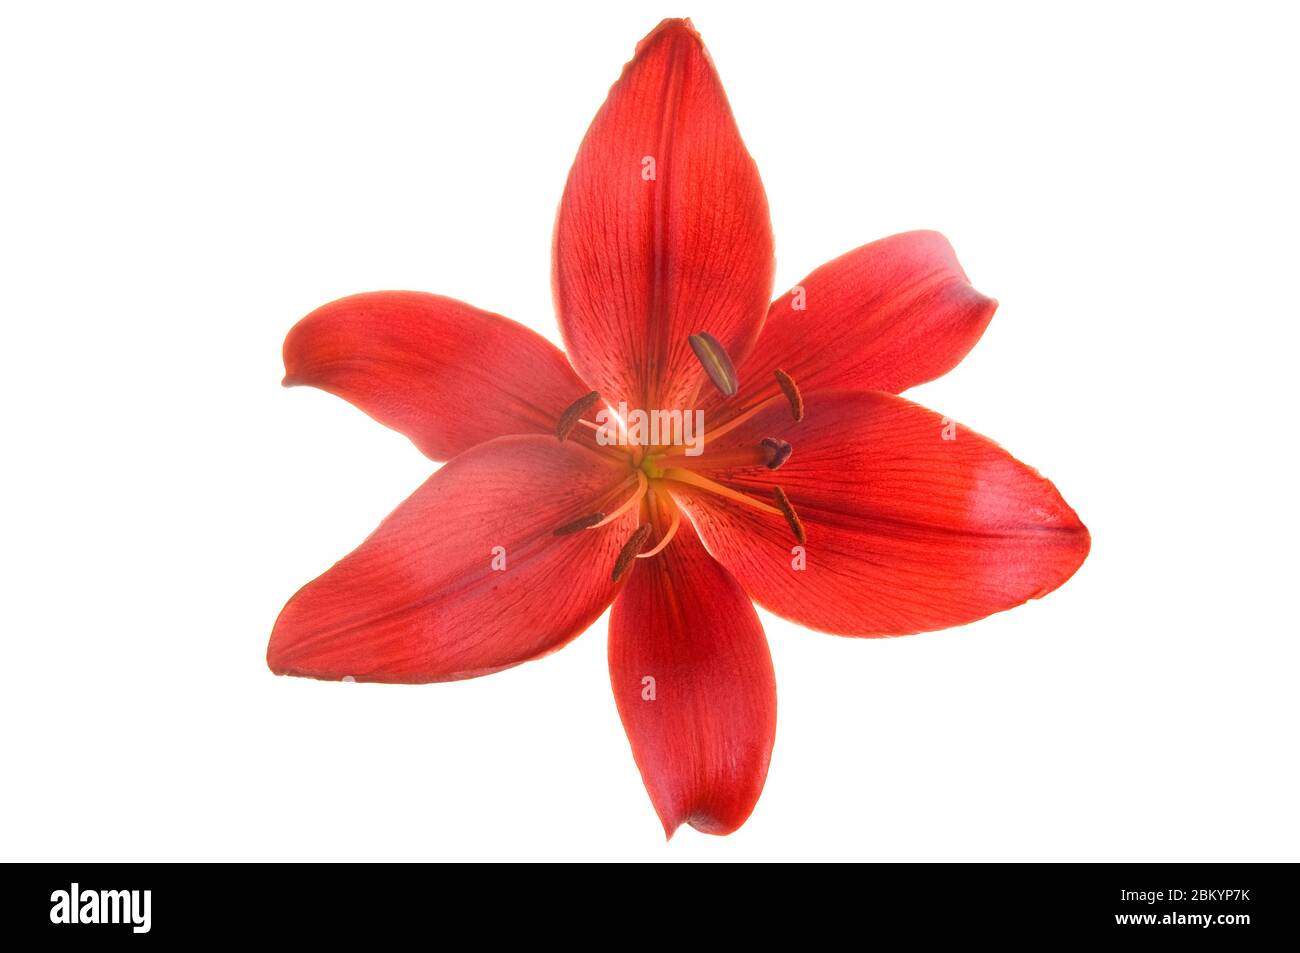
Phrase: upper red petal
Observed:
(907, 530)
(642, 263)
(444, 373)
(421, 600)
(694, 685)
(887, 316)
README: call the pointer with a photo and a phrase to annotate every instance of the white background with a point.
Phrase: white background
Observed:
(182, 182)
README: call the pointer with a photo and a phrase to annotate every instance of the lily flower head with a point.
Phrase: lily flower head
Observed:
(816, 492)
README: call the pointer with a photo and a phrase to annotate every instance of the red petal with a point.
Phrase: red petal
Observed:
(420, 601)
(703, 742)
(640, 265)
(886, 316)
(446, 374)
(907, 531)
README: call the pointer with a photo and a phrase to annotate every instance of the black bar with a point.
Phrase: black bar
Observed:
(1225, 904)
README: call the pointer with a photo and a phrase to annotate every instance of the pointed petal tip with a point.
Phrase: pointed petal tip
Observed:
(983, 310)
(670, 828)
(1083, 542)
(702, 822)
(670, 29)
(680, 25)
(281, 659)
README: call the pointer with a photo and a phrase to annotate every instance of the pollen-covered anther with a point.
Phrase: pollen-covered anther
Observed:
(791, 517)
(717, 364)
(573, 413)
(775, 452)
(791, 391)
(581, 523)
(630, 550)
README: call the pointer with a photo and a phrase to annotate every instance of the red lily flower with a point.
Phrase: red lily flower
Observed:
(819, 494)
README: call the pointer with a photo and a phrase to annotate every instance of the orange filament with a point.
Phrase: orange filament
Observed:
(642, 484)
(691, 478)
(739, 419)
(667, 537)
(789, 393)
(738, 457)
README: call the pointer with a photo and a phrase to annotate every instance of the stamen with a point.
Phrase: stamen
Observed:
(666, 538)
(582, 522)
(630, 550)
(691, 478)
(716, 362)
(791, 391)
(775, 452)
(790, 515)
(573, 413)
(739, 419)
(736, 457)
(642, 484)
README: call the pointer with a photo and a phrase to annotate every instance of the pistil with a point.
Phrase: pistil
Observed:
(691, 478)
(775, 452)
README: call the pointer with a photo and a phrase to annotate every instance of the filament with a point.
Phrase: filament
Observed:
(691, 478)
(643, 484)
(667, 537)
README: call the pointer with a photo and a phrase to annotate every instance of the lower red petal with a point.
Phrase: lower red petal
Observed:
(913, 523)
(466, 577)
(694, 685)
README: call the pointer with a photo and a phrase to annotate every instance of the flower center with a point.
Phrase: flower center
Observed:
(655, 471)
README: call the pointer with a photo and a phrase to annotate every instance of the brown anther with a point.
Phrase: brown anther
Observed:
(713, 356)
(775, 452)
(791, 391)
(583, 522)
(791, 517)
(630, 549)
(573, 413)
